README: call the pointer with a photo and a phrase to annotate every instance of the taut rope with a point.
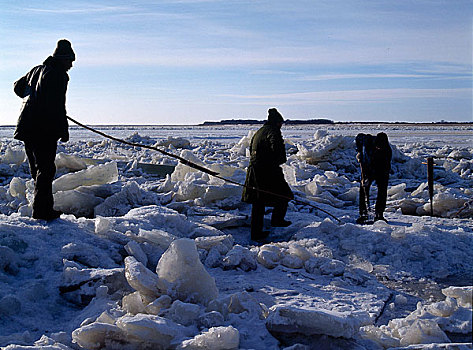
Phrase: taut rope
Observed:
(198, 167)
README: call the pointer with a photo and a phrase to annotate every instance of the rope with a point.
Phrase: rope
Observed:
(182, 160)
(198, 167)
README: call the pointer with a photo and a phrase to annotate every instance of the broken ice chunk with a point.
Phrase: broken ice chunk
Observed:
(422, 332)
(314, 321)
(133, 248)
(463, 295)
(240, 257)
(69, 162)
(159, 237)
(181, 268)
(222, 338)
(184, 313)
(14, 155)
(93, 336)
(269, 256)
(142, 279)
(155, 331)
(17, 188)
(163, 302)
(95, 175)
(133, 303)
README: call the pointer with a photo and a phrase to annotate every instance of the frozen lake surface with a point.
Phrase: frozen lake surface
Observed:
(141, 261)
(457, 135)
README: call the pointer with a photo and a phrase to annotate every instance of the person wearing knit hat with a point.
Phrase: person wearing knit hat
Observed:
(265, 184)
(64, 50)
(43, 122)
(274, 117)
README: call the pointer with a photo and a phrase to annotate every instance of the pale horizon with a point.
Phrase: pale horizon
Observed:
(184, 62)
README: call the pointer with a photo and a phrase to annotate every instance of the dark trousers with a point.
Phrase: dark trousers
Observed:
(41, 156)
(382, 183)
(257, 216)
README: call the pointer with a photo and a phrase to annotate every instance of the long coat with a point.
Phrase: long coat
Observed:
(267, 153)
(374, 157)
(43, 115)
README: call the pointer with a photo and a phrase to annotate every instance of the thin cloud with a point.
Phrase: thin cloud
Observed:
(240, 2)
(152, 15)
(87, 9)
(272, 72)
(439, 68)
(364, 76)
(380, 95)
(439, 76)
(175, 54)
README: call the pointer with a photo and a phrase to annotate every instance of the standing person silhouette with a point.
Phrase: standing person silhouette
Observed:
(267, 153)
(43, 121)
(374, 155)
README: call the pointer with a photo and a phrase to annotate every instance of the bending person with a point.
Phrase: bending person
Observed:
(374, 155)
(43, 122)
(267, 153)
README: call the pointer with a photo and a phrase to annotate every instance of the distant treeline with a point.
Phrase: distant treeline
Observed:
(253, 121)
(407, 123)
(321, 121)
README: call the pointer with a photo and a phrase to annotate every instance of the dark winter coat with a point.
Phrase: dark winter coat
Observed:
(267, 153)
(374, 156)
(43, 115)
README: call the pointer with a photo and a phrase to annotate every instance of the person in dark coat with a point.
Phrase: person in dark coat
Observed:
(265, 184)
(374, 155)
(43, 122)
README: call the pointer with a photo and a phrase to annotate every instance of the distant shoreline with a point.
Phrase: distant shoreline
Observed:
(253, 122)
(324, 122)
(259, 122)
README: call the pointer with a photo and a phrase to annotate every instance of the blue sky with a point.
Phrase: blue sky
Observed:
(187, 61)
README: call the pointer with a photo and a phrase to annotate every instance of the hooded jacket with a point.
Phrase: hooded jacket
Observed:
(267, 153)
(43, 114)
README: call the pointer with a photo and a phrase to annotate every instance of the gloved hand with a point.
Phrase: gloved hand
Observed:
(65, 137)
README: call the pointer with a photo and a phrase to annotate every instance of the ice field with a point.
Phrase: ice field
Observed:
(152, 254)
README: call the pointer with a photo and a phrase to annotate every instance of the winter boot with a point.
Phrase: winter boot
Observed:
(281, 223)
(260, 236)
(47, 215)
(362, 220)
(379, 216)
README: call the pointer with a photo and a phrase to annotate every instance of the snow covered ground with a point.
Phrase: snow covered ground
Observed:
(145, 261)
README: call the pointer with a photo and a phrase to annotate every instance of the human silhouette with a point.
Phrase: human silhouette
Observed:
(43, 121)
(374, 155)
(265, 184)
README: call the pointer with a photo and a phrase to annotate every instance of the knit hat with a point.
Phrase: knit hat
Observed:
(381, 140)
(274, 117)
(64, 50)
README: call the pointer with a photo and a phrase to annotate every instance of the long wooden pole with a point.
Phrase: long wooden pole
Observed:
(430, 181)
